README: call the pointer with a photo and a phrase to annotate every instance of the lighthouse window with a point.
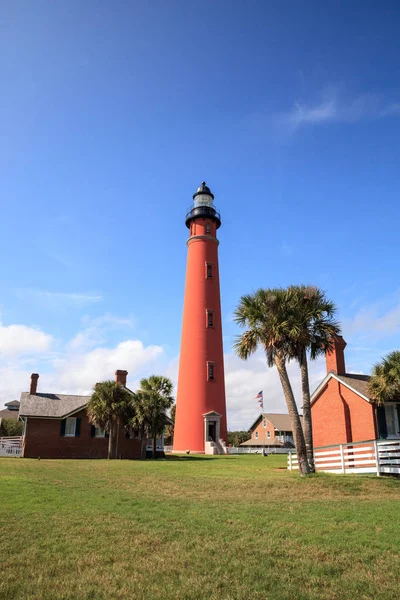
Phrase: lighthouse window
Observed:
(210, 318)
(210, 371)
(208, 271)
(208, 227)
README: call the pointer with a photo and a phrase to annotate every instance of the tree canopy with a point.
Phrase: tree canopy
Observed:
(109, 408)
(384, 384)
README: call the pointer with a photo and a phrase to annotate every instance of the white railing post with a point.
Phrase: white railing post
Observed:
(290, 460)
(342, 459)
(378, 470)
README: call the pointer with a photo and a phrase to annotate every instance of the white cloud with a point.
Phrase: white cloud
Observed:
(374, 320)
(302, 114)
(58, 300)
(78, 364)
(20, 339)
(96, 330)
(77, 373)
(245, 379)
(334, 106)
(82, 371)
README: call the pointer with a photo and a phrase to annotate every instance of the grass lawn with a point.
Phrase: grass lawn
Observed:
(232, 528)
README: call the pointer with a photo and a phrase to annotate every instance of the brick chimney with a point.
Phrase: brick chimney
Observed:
(335, 358)
(34, 380)
(120, 377)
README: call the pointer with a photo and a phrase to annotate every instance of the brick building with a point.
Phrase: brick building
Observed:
(342, 410)
(270, 430)
(57, 426)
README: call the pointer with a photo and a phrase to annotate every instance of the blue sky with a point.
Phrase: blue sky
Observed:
(112, 113)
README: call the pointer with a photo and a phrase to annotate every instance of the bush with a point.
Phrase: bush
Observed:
(238, 437)
(10, 427)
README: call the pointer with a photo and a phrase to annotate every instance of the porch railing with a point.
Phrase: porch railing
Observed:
(373, 456)
(10, 446)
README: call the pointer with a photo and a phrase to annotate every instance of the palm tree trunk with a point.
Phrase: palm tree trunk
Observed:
(307, 423)
(144, 443)
(111, 439)
(155, 445)
(293, 414)
(117, 438)
(109, 453)
(112, 442)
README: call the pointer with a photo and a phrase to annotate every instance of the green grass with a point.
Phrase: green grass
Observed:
(232, 528)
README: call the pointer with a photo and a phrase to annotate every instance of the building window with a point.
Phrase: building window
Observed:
(256, 435)
(208, 228)
(210, 318)
(98, 432)
(70, 427)
(268, 434)
(208, 271)
(210, 371)
(264, 423)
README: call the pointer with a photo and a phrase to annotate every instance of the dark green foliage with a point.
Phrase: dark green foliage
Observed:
(11, 427)
(384, 385)
(152, 401)
(110, 407)
(235, 438)
(268, 318)
(169, 429)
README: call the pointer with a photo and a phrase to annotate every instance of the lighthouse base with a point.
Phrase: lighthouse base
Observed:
(187, 452)
(213, 444)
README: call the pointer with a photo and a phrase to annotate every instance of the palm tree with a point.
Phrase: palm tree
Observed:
(169, 428)
(384, 384)
(311, 326)
(155, 398)
(266, 314)
(139, 419)
(108, 408)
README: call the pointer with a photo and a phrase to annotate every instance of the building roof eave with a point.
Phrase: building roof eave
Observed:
(333, 375)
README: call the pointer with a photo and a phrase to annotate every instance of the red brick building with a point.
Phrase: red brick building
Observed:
(270, 430)
(342, 410)
(57, 426)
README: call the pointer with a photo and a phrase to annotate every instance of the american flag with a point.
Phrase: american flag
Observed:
(260, 399)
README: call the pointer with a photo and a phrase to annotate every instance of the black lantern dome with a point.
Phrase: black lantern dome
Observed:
(203, 206)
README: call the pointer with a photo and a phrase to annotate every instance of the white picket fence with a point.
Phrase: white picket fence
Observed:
(250, 450)
(10, 446)
(244, 450)
(375, 456)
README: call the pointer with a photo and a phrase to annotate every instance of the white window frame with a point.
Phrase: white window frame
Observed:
(268, 434)
(256, 435)
(392, 415)
(264, 423)
(70, 424)
(99, 433)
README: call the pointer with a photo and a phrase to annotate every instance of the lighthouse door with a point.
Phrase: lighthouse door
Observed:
(212, 427)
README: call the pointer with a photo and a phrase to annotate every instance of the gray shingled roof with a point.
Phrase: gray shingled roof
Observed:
(50, 405)
(8, 414)
(14, 404)
(280, 421)
(357, 382)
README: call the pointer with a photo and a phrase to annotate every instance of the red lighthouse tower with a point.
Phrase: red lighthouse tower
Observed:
(200, 423)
